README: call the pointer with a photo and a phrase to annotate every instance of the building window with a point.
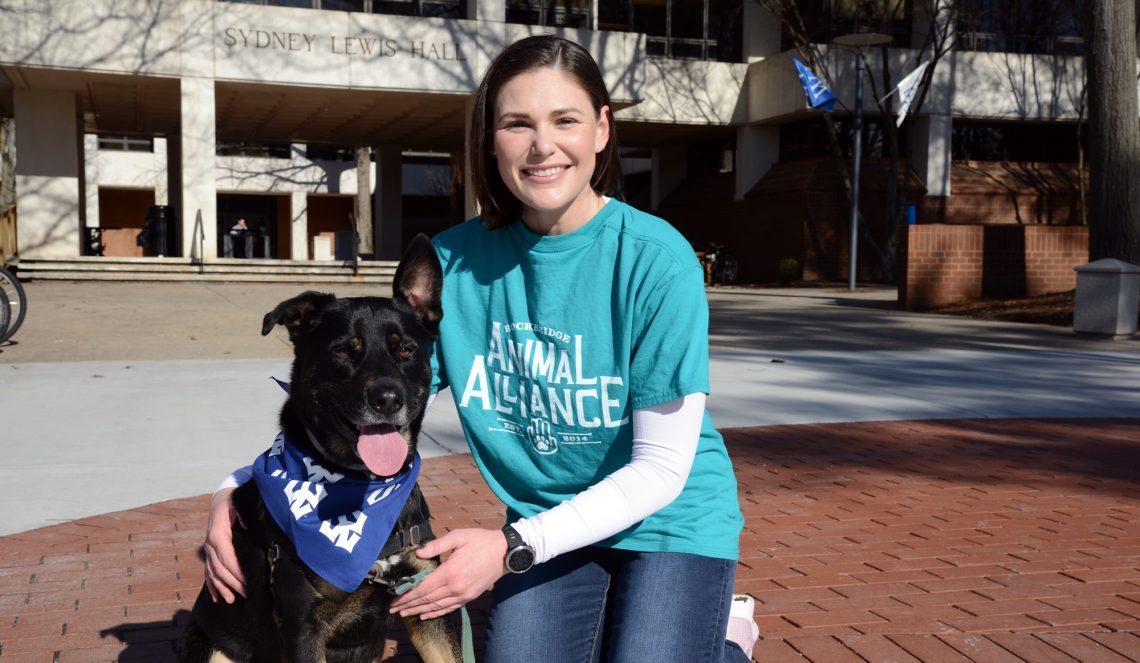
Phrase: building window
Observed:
(682, 29)
(1014, 142)
(344, 5)
(429, 8)
(713, 158)
(1021, 26)
(236, 148)
(315, 152)
(126, 144)
(553, 13)
(824, 20)
(808, 138)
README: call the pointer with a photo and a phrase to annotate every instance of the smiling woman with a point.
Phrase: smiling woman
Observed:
(575, 340)
(546, 137)
(540, 110)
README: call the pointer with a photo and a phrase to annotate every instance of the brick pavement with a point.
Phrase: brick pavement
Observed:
(986, 541)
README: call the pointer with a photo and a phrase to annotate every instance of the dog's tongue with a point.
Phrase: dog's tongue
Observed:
(382, 449)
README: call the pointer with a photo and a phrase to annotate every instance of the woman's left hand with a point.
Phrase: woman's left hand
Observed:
(474, 564)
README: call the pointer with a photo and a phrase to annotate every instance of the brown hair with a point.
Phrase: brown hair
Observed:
(498, 207)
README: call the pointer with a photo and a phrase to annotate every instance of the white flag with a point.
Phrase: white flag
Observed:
(907, 88)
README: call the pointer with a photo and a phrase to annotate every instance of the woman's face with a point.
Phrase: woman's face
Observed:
(546, 135)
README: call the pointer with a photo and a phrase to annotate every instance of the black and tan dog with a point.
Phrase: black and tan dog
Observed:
(356, 401)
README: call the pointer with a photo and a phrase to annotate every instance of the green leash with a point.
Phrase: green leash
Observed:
(467, 643)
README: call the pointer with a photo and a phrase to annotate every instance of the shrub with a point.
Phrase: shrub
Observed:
(787, 270)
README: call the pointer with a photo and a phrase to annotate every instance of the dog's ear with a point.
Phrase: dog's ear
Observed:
(298, 314)
(419, 280)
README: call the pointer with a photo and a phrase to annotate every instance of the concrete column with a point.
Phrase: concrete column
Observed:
(387, 203)
(487, 10)
(669, 168)
(931, 135)
(761, 33)
(161, 178)
(470, 206)
(49, 173)
(757, 150)
(199, 215)
(299, 208)
(931, 131)
(91, 178)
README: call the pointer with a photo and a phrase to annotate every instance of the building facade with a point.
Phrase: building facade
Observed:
(220, 111)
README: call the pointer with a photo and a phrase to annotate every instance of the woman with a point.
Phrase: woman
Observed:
(575, 343)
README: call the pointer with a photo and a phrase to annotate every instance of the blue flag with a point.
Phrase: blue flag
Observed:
(819, 97)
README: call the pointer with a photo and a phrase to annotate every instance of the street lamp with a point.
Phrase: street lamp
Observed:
(859, 41)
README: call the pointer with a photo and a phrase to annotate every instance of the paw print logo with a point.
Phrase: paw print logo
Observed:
(539, 433)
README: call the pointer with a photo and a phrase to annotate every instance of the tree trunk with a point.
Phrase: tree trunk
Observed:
(1114, 133)
(363, 215)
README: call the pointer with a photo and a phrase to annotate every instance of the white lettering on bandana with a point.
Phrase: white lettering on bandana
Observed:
(338, 523)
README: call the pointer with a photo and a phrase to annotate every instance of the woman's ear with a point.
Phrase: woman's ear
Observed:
(602, 137)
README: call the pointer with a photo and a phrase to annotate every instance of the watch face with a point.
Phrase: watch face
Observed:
(520, 560)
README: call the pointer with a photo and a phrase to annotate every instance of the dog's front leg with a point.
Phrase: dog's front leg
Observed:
(304, 641)
(434, 639)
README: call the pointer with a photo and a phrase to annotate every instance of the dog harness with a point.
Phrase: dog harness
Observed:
(338, 524)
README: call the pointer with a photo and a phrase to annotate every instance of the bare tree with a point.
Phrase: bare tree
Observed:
(7, 188)
(933, 19)
(1114, 139)
(362, 218)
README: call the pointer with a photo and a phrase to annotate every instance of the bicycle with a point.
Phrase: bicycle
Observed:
(719, 264)
(724, 266)
(13, 304)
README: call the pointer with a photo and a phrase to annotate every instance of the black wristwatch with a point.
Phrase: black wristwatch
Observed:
(520, 556)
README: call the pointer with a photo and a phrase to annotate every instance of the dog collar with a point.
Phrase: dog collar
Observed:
(338, 524)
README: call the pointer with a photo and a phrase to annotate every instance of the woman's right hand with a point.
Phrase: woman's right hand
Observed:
(224, 578)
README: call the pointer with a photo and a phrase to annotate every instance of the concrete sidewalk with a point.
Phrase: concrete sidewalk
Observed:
(1006, 529)
(138, 393)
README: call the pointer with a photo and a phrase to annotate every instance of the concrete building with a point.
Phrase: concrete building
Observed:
(226, 110)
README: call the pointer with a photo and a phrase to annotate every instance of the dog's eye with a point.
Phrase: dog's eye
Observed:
(405, 351)
(350, 349)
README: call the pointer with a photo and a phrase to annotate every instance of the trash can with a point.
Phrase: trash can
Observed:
(344, 245)
(157, 236)
(911, 213)
(1108, 291)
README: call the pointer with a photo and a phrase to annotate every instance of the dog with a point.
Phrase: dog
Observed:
(356, 397)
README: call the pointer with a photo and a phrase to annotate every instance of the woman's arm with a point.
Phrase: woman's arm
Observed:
(224, 578)
(664, 444)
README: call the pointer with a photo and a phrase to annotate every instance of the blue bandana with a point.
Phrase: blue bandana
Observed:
(337, 523)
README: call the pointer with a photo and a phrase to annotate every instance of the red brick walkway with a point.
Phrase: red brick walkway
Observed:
(983, 541)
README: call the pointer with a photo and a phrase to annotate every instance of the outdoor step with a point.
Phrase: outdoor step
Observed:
(347, 277)
(182, 269)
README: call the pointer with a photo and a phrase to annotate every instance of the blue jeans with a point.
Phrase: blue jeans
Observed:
(597, 604)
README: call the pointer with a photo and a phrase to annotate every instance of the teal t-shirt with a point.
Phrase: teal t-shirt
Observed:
(550, 342)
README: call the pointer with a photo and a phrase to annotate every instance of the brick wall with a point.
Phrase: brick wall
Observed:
(799, 210)
(940, 264)
(992, 192)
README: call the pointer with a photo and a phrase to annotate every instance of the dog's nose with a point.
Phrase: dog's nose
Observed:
(386, 398)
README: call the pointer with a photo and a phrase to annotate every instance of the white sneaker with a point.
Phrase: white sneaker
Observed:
(742, 628)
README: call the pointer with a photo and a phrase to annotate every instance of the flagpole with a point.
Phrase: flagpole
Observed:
(857, 160)
(858, 40)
